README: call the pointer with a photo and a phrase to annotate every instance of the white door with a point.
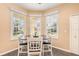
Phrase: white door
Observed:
(74, 34)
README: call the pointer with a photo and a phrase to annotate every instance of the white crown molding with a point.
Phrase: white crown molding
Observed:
(51, 13)
(35, 14)
(18, 11)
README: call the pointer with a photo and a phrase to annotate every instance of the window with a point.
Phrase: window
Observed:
(51, 24)
(17, 25)
(35, 26)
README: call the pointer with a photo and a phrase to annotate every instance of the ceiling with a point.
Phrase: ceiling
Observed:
(38, 6)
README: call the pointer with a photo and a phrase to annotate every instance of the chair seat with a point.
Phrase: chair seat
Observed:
(46, 43)
(35, 51)
(23, 43)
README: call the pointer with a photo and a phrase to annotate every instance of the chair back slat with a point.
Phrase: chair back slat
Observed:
(34, 46)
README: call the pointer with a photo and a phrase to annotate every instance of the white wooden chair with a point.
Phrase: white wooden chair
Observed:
(47, 45)
(22, 46)
(35, 47)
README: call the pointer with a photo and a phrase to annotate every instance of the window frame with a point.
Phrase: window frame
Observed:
(35, 16)
(12, 25)
(53, 13)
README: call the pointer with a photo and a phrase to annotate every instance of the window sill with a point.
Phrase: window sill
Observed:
(53, 36)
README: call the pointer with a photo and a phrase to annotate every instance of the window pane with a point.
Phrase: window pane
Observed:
(35, 25)
(51, 24)
(17, 27)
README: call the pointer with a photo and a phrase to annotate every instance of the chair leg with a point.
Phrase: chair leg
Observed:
(18, 52)
(51, 51)
(42, 53)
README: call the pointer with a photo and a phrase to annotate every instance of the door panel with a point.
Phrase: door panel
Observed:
(74, 34)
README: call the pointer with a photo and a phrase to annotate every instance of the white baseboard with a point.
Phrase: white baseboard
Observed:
(65, 50)
(8, 51)
(52, 46)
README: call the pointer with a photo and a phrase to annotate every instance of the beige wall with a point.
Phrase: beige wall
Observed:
(65, 11)
(6, 43)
